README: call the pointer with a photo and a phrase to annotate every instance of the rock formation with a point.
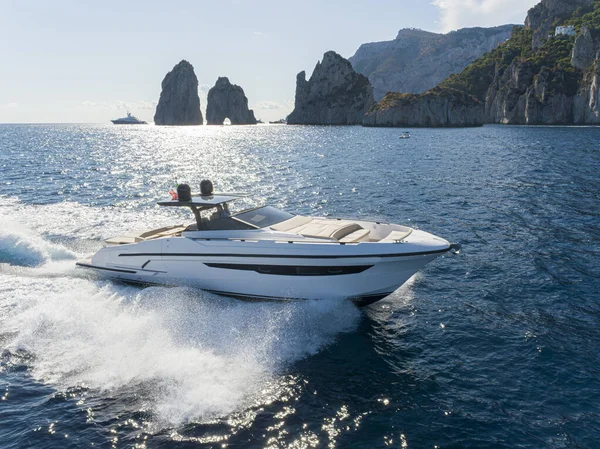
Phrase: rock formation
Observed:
(438, 107)
(526, 95)
(534, 79)
(226, 100)
(586, 49)
(586, 105)
(417, 60)
(543, 17)
(179, 103)
(334, 95)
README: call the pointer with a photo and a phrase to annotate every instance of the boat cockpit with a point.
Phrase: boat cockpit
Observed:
(212, 213)
(218, 218)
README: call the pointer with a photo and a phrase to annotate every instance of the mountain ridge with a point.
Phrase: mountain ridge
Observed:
(418, 60)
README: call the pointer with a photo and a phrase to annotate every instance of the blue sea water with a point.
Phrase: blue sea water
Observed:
(498, 347)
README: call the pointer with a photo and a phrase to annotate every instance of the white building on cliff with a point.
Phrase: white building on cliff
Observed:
(565, 31)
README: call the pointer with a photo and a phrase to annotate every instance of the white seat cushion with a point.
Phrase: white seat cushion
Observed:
(396, 236)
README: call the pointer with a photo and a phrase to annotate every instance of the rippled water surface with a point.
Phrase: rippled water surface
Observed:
(498, 347)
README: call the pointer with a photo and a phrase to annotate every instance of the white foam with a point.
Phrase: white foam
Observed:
(189, 355)
(20, 246)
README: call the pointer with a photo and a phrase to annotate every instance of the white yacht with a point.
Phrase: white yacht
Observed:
(129, 120)
(264, 253)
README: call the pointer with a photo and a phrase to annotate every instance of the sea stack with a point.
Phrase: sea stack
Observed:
(179, 103)
(334, 95)
(226, 100)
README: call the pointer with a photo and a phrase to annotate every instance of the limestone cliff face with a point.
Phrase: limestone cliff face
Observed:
(226, 100)
(524, 96)
(543, 17)
(334, 95)
(417, 60)
(438, 107)
(586, 107)
(179, 103)
(586, 49)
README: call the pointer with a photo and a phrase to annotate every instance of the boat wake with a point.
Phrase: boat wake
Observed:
(21, 246)
(179, 354)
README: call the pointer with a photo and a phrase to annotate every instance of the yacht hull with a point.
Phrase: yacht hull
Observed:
(364, 273)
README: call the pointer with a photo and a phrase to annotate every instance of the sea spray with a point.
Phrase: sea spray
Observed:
(21, 246)
(181, 353)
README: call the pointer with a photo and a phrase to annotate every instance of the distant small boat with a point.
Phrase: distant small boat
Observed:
(405, 135)
(279, 122)
(129, 120)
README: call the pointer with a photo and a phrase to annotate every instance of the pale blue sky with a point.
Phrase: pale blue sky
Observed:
(82, 61)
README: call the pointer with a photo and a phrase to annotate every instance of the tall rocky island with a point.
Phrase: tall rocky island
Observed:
(547, 73)
(226, 100)
(179, 103)
(334, 95)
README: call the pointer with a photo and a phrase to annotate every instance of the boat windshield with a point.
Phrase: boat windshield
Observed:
(219, 218)
(263, 217)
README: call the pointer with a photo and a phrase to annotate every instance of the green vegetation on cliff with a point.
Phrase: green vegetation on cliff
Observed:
(589, 17)
(396, 99)
(554, 55)
(477, 78)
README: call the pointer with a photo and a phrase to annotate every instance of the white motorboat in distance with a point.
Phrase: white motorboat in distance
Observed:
(266, 253)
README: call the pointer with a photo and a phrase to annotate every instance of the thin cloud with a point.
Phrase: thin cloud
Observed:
(270, 105)
(121, 105)
(457, 14)
(10, 105)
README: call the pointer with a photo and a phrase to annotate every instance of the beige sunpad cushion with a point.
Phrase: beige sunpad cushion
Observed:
(292, 223)
(318, 228)
(356, 236)
(148, 235)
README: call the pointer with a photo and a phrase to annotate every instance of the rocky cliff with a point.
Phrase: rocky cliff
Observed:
(334, 95)
(586, 49)
(226, 100)
(179, 103)
(586, 104)
(530, 80)
(417, 60)
(439, 107)
(546, 15)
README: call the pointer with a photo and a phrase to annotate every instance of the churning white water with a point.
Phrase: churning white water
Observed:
(183, 354)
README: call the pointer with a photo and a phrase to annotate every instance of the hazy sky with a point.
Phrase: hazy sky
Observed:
(83, 61)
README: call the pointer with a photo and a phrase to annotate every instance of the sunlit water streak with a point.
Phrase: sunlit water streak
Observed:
(495, 348)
